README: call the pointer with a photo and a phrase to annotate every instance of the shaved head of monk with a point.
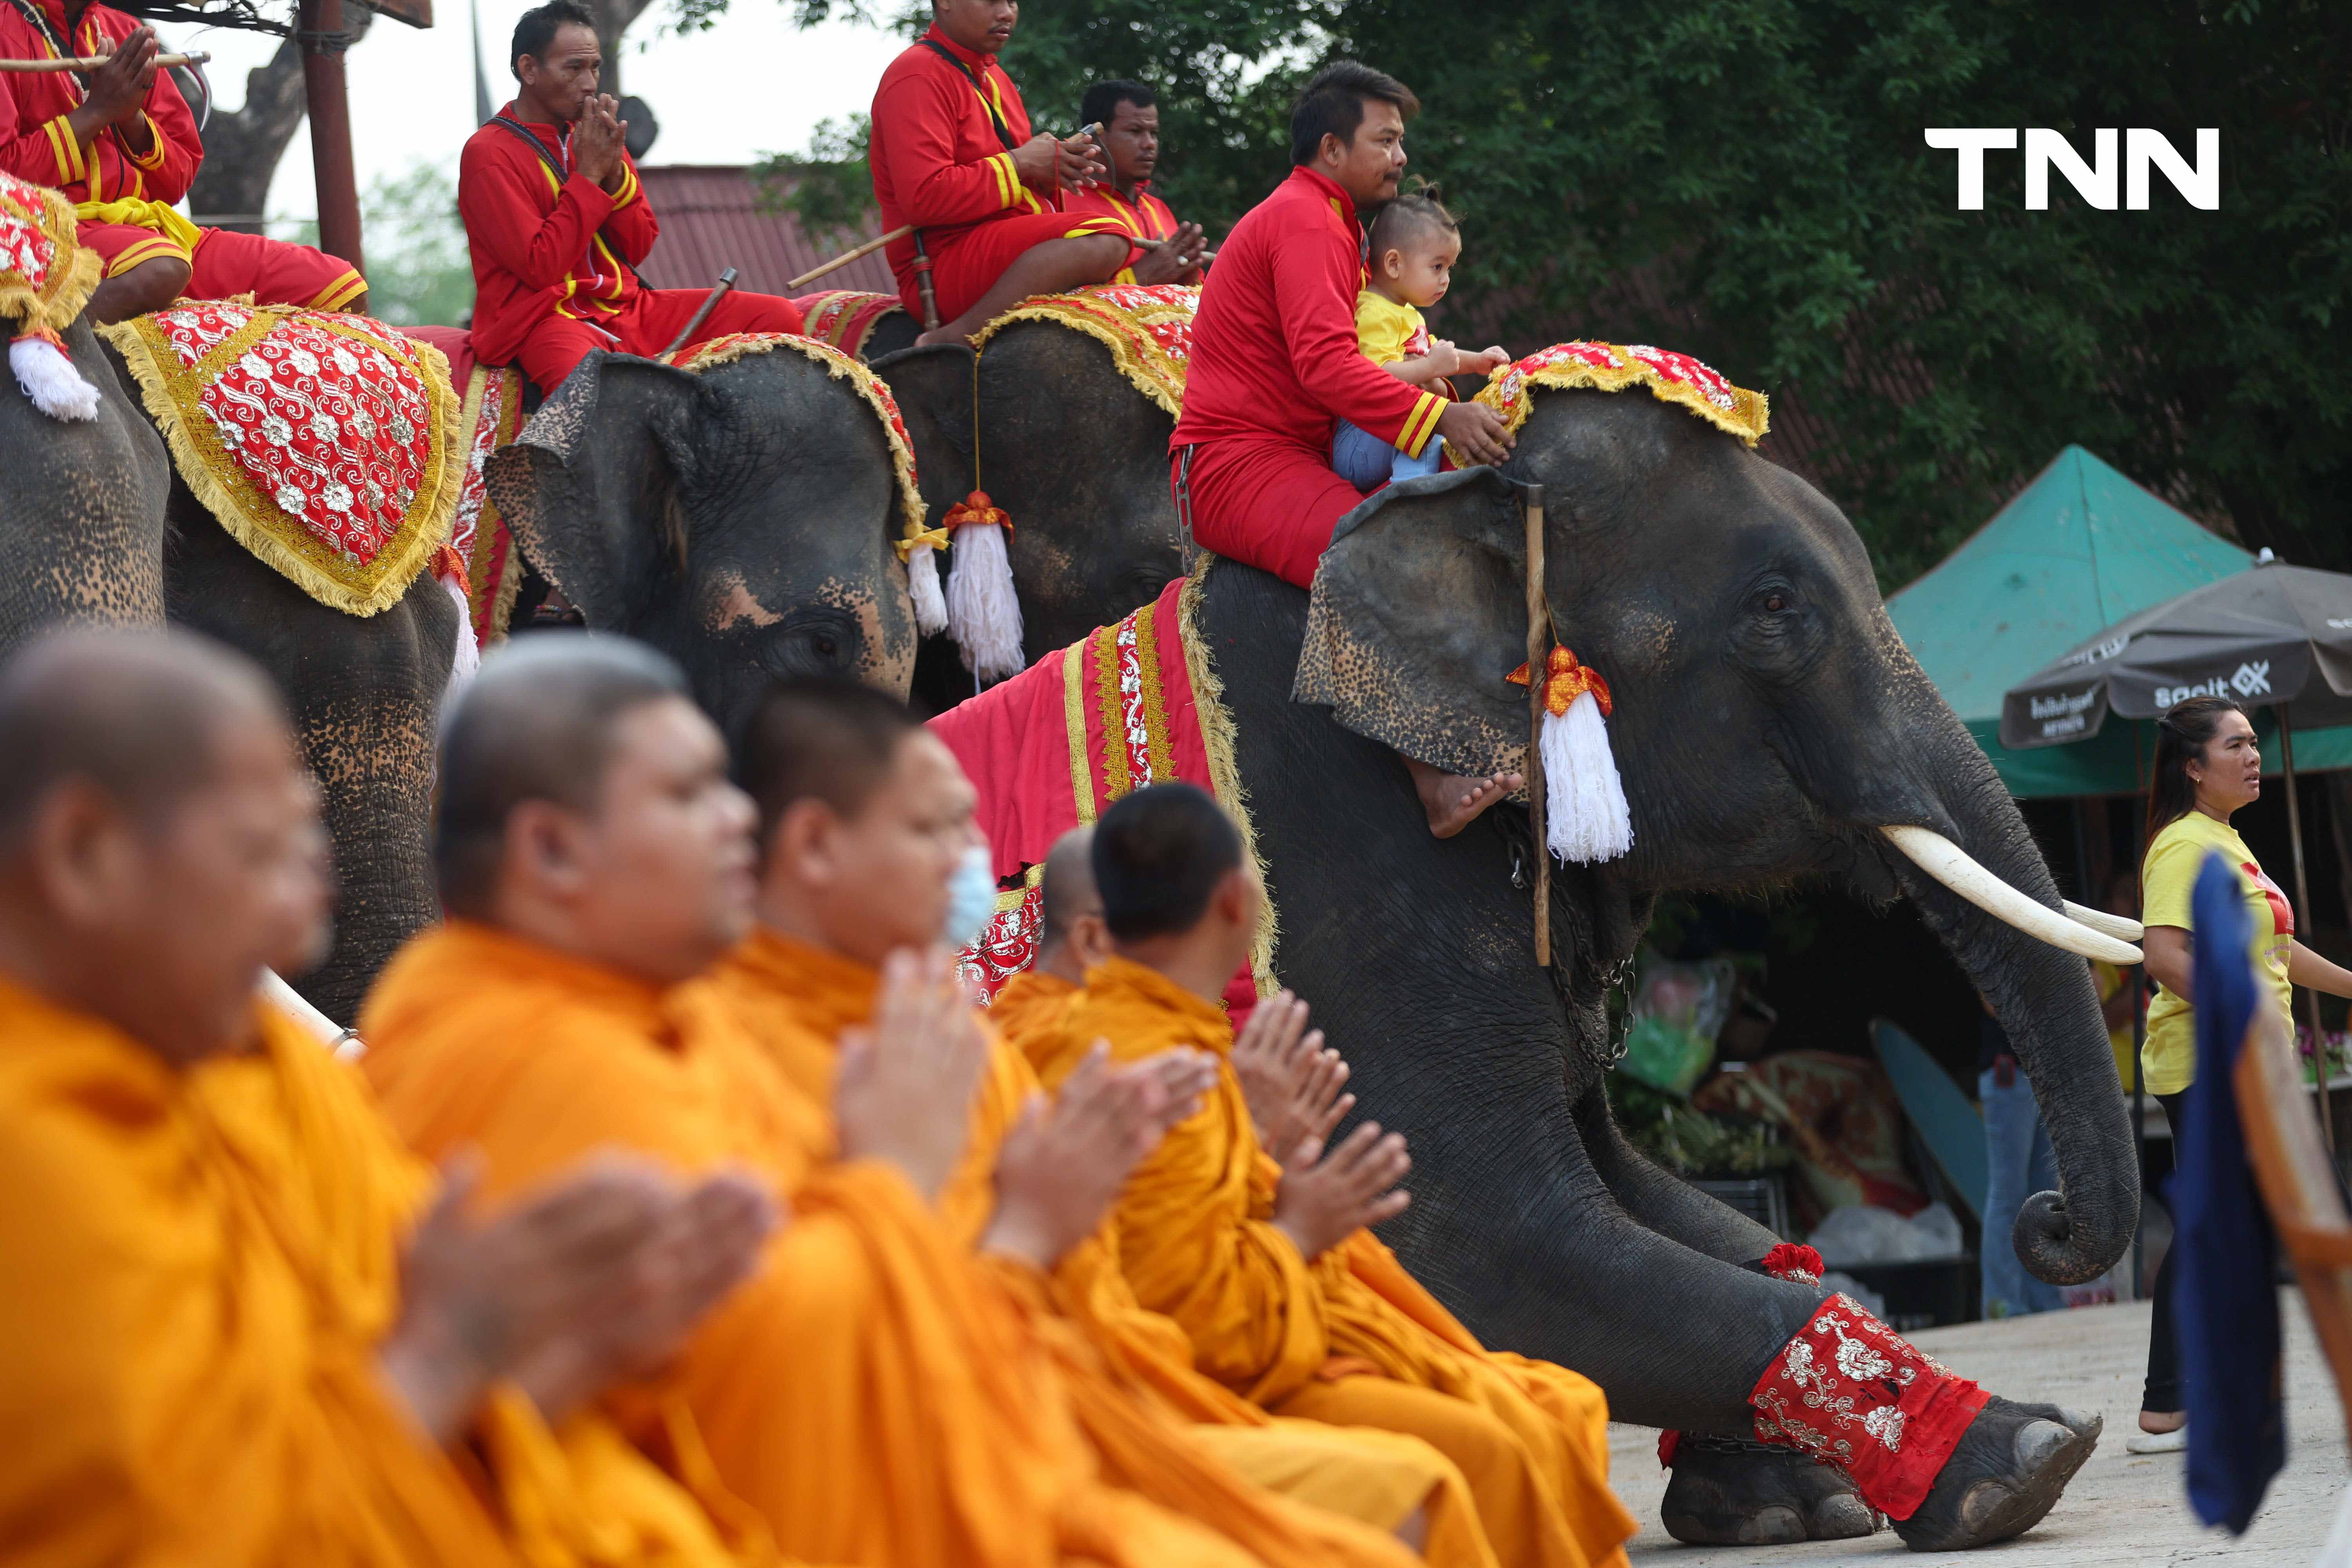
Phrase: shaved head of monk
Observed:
(584, 804)
(1071, 935)
(863, 815)
(160, 842)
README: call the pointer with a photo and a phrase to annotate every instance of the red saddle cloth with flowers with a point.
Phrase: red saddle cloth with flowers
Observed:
(845, 318)
(1134, 703)
(1148, 327)
(326, 443)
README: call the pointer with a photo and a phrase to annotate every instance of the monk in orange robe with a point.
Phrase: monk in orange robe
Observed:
(238, 1328)
(880, 1395)
(1285, 1295)
(1071, 940)
(864, 814)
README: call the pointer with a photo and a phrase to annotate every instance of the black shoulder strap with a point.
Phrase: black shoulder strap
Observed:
(980, 90)
(516, 128)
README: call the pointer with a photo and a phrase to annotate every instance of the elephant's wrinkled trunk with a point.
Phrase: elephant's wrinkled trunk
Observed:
(2041, 994)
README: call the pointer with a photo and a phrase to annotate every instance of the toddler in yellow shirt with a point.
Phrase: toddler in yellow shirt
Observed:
(1413, 245)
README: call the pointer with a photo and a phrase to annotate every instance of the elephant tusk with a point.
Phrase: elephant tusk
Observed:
(2117, 926)
(1951, 865)
(344, 1043)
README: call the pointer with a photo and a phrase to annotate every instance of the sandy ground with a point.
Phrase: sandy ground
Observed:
(2122, 1509)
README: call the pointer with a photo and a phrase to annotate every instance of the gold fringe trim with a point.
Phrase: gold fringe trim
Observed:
(73, 267)
(1749, 417)
(170, 391)
(488, 522)
(1153, 372)
(1217, 739)
(741, 345)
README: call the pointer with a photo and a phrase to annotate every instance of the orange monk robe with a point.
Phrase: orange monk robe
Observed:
(1030, 1001)
(876, 1396)
(1349, 1337)
(1129, 1370)
(201, 1265)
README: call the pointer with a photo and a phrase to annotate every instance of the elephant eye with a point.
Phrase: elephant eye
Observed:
(1775, 602)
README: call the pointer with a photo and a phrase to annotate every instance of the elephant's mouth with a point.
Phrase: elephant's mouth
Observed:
(2086, 932)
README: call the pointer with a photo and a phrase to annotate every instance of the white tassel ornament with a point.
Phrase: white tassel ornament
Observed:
(923, 588)
(465, 661)
(984, 611)
(50, 378)
(1585, 818)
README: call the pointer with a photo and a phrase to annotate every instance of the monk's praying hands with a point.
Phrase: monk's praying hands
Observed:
(1289, 1079)
(1326, 1197)
(1063, 1166)
(905, 1091)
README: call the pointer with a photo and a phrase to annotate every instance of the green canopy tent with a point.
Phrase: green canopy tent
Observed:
(2079, 549)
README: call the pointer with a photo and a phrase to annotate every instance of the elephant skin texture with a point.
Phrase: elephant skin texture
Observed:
(1767, 721)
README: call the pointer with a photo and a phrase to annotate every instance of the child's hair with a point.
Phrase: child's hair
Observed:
(1409, 216)
(2181, 737)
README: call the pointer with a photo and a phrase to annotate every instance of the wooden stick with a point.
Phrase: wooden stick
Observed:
(92, 62)
(1158, 244)
(847, 257)
(1539, 657)
(702, 313)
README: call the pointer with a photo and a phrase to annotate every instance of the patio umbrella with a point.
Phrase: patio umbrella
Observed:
(2271, 634)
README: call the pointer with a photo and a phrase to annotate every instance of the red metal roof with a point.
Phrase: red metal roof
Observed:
(711, 220)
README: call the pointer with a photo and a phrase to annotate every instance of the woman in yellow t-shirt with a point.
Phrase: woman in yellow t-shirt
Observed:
(2208, 767)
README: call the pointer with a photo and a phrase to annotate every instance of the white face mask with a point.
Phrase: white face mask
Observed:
(971, 898)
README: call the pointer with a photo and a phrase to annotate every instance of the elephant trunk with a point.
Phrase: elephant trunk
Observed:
(2041, 992)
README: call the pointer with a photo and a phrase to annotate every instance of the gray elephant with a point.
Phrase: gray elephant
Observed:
(100, 527)
(742, 519)
(1769, 725)
(1072, 452)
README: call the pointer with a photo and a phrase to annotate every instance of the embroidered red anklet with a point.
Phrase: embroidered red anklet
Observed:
(1852, 1391)
(1788, 1261)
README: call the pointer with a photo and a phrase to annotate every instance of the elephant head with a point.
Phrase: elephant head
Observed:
(1076, 456)
(1768, 723)
(81, 514)
(743, 519)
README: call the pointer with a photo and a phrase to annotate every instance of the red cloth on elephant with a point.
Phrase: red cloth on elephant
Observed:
(1273, 365)
(555, 260)
(1852, 1391)
(111, 184)
(941, 159)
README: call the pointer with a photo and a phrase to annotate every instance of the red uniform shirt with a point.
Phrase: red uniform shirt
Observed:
(544, 246)
(36, 145)
(937, 158)
(1274, 347)
(1146, 217)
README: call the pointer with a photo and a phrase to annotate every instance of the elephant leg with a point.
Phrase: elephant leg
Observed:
(365, 694)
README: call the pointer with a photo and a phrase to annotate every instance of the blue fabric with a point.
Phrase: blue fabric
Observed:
(2018, 1163)
(1367, 462)
(2227, 1302)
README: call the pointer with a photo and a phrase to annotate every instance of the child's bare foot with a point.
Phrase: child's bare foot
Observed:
(1454, 800)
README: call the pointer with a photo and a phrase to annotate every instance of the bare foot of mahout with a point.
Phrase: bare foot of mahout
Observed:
(2009, 1468)
(1454, 801)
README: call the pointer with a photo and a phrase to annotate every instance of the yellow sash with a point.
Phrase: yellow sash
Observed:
(164, 219)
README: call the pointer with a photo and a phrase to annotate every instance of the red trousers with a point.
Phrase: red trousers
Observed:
(967, 265)
(1270, 504)
(645, 326)
(228, 263)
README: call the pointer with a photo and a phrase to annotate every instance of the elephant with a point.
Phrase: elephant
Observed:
(741, 518)
(1768, 724)
(100, 529)
(1076, 456)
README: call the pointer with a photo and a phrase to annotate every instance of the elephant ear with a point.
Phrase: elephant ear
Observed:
(591, 485)
(933, 389)
(1417, 619)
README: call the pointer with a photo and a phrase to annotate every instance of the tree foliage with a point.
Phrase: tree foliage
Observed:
(1748, 180)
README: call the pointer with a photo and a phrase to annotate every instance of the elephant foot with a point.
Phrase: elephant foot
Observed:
(1728, 1492)
(2007, 1472)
